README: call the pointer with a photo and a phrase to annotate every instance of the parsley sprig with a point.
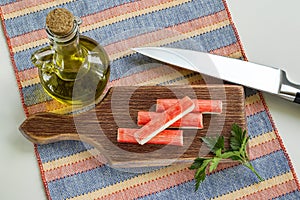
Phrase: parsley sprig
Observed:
(237, 152)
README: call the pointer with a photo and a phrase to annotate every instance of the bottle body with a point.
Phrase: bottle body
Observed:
(73, 69)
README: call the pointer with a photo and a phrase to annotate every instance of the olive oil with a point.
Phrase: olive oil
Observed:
(73, 69)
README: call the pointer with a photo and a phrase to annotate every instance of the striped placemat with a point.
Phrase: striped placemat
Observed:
(73, 170)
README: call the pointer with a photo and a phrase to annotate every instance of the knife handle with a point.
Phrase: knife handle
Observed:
(297, 98)
(289, 90)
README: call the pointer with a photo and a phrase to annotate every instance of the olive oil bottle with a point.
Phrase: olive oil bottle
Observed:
(73, 69)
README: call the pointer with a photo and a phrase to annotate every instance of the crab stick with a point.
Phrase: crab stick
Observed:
(201, 105)
(190, 121)
(170, 137)
(164, 120)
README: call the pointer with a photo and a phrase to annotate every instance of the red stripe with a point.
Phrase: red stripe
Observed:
(28, 37)
(20, 5)
(40, 107)
(254, 108)
(273, 192)
(264, 149)
(225, 51)
(73, 168)
(28, 74)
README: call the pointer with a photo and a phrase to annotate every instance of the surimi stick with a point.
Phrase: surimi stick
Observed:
(191, 120)
(164, 120)
(201, 105)
(170, 137)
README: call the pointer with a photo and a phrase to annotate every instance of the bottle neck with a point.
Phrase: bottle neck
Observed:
(69, 57)
(67, 48)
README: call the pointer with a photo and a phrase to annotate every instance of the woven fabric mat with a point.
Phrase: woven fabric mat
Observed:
(72, 170)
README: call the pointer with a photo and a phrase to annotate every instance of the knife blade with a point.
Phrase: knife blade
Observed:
(267, 79)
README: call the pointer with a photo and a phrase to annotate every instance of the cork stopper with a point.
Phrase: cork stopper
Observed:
(60, 21)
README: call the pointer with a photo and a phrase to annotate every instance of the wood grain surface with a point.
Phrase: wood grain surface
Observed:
(119, 108)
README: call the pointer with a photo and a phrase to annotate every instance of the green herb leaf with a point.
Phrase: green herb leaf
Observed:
(199, 179)
(214, 143)
(237, 137)
(200, 173)
(214, 163)
(234, 155)
(238, 152)
(219, 152)
(197, 163)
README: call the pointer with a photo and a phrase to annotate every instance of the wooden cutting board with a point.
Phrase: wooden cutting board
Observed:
(119, 108)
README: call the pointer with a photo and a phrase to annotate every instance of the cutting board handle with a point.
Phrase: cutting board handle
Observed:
(44, 128)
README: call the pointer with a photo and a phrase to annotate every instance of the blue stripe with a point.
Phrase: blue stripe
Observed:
(54, 151)
(23, 58)
(258, 124)
(34, 94)
(228, 180)
(91, 180)
(35, 21)
(290, 196)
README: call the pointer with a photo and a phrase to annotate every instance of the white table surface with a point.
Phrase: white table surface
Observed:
(270, 33)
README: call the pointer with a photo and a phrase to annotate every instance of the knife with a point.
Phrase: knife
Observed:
(267, 79)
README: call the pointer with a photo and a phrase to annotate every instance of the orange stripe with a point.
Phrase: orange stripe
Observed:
(274, 191)
(89, 20)
(166, 33)
(74, 168)
(254, 108)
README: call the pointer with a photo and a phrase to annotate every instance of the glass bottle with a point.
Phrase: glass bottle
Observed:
(73, 69)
